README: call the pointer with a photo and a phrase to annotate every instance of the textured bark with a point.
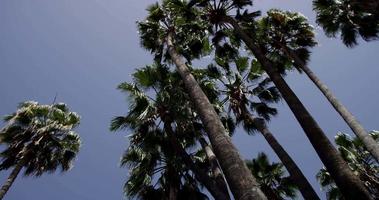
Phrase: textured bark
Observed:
(371, 145)
(216, 171)
(211, 184)
(296, 174)
(349, 184)
(241, 182)
(12, 177)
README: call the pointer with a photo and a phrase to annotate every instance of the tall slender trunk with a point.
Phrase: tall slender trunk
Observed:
(212, 186)
(371, 145)
(296, 174)
(349, 184)
(12, 177)
(173, 184)
(216, 171)
(242, 183)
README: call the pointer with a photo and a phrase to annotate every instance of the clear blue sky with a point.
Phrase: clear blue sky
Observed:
(81, 49)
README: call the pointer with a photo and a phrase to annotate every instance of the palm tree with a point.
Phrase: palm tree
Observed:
(153, 159)
(243, 88)
(360, 161)
(272, 179)
(40, 139)
(288, 34)
(175, 29)
(349, 18)
(243, 25)
(168, 106)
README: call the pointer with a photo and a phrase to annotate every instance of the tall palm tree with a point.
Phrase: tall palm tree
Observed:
(155, 115)
(360, 161)
(288, 34)
(40, 139)
(174, 29)
(217, 12)
(271, 177)
(244, 88)
(349, 18)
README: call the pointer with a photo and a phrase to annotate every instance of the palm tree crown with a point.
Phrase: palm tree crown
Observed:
(359, 160)
(173, 15)
(271, 177)
(39, 138)
(43, 135)
(284, 31)
(349, 18)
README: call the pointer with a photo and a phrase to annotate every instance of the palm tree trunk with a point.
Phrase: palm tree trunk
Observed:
(216, 171)
(296, 174)
(242, 183)
(350, 185)
(371, 145)
(12, 177)
(173, 184)
(212, 186)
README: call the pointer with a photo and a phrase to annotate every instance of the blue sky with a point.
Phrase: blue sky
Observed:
(82, 49)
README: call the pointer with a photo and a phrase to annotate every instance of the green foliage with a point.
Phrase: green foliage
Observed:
(155, 165)
(284, 32)
(42, 136)
(242, 63)
(149, 76)
(243, 88)
(271, 178)
(348, 18)
(278, 27)
(359, 160)
(184, 21)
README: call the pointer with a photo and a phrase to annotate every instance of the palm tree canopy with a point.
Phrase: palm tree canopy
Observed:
(360, 161)
(43, 133)
(259, 29)
(348, 18)
(154, 166)
(281, 30)
(243, 88)
(174, 15)
(153, 163)
(272, 176)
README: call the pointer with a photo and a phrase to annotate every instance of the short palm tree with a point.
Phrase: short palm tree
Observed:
(156, 115)
(360, 161)
(39, 138)
(243, 25)
(272, 179)
(248, 93)
(173, 30)
(349, 18)
(289, 35)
